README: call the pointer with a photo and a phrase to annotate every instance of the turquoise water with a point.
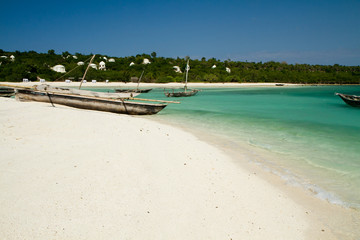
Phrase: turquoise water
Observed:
(309, 136)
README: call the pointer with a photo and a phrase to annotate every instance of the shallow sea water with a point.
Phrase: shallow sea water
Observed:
(311, 136)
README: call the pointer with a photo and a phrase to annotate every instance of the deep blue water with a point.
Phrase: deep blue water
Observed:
(310, 136)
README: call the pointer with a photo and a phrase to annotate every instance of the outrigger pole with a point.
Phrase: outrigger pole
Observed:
(86, 70)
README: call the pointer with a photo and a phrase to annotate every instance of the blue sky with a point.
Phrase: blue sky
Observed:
(313, 32)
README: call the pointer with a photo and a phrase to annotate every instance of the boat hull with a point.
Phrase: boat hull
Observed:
(133, 90)
(7, 92)
(91, 103)
(351, 100)
(182, 94)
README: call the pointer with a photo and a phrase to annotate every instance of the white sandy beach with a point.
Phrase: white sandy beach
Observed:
(75, 174)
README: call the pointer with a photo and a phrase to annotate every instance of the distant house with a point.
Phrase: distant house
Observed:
(93, 65)
(146, 61)
(177, 69)
(214, 66)
(41, 80)
(80, 63)
(111, 60)
(25, 80)
(75, 57)
(93, 81)
(12, 58)
(228, 70)
(132, 63)
(68, 81)
(134, 79)
(102, 66)
(59, 68)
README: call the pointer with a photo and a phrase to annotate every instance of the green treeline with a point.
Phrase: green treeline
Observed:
(33, 65)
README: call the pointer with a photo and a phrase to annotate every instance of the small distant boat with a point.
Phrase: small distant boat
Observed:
(7, 92)
(351, 100)
(137, 90)
(279, 84)
(133, 90)
(186, 92)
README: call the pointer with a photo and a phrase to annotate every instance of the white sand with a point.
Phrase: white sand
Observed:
(67, 173)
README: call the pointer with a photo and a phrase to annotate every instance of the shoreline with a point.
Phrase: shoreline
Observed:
(145, 85)
(77, 174)
(166, 85)
(347, 221)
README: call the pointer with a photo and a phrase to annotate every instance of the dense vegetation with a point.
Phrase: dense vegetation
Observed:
(33, 65)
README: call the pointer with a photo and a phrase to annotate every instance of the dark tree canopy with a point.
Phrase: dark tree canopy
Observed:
(33, 65)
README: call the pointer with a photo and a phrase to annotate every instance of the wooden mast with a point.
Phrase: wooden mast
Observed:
(186, 76)
(137, 88)
(86, 71)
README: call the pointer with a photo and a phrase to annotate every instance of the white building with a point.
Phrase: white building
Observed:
(93, 65)
(75, 57)
(59, 68)
(12, 58)
(214, 66)
(111, 60)
(177, 69)
(25, 80)
(132, 63)
(80, 63)
(228, 70)
(41, 80)
(146, 61)
(93, 81)
(102, 66)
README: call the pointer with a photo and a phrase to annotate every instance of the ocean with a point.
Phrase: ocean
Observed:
(305, 134)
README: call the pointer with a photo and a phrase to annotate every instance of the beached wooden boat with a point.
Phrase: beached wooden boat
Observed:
(351, 100)
(184, 92)
(119, 105)
(6, 92)
(136, 90)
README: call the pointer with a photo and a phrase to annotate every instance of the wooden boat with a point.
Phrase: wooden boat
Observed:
(351, 100)
(120, 105)
(137, 90)
(133, 90)
(185, 92)
(7, 92)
